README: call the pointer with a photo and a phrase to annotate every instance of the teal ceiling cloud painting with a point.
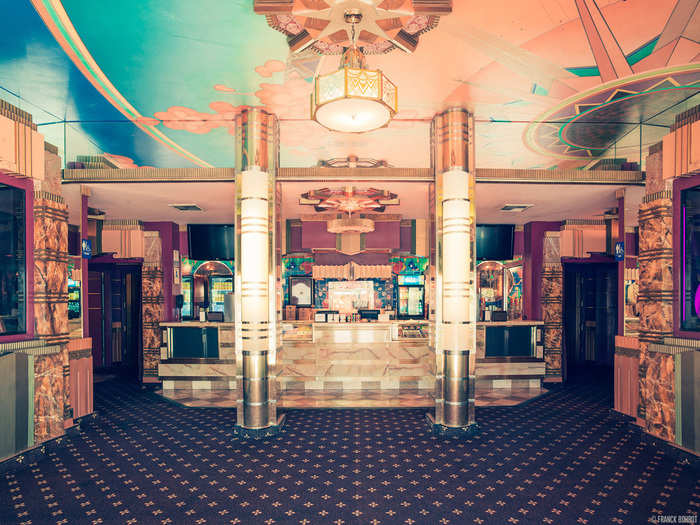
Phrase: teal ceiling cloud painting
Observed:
(158, 83)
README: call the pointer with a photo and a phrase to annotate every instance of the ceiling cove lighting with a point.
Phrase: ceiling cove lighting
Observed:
(353, 99)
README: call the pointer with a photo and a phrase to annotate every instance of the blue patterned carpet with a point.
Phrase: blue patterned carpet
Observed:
(558, 459)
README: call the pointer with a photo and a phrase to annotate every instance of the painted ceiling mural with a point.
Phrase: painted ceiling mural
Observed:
(552, 83)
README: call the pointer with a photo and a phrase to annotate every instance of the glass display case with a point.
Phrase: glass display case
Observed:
(411, 296)
(403, 331)
(73, 299)
(350, 296)
(220, 286)
(187, 297)
(493, 285)
(514, 297)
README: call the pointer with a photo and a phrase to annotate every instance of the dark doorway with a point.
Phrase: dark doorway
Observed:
(114, 297)
(590, 319)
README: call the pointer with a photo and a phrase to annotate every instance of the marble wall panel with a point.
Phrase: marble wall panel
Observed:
(480, 342)
(659, 390)
(50, 267)
(656, 409)
(654, 168)
(655, 318)
(196, 369)
(551, 248)
(52, 172)
(552, 313)
(152, 311)
(48, 397)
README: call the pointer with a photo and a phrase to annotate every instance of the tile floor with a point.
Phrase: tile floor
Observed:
(355, 399)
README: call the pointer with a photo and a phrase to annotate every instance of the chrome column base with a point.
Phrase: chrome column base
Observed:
(438, 429)
(260, 433)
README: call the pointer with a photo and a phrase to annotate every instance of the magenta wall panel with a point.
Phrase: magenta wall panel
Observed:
(406, 238)
(315, 235)
(294, 238)
(518, 243)
(532, 266)
(385, 235)
(336, 258)
(184, 245)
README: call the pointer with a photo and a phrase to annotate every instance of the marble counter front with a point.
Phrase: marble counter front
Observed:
(198, 355)
(356, 356)
(509, 354)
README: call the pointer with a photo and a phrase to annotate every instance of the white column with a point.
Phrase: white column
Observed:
(455, 308)
(255, 285)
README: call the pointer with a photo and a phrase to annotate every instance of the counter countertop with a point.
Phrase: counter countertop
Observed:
(196, 324)
(510, 323)
(378, 324)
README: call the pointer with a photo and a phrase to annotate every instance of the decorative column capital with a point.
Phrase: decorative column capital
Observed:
(452, 140)
(257, 140)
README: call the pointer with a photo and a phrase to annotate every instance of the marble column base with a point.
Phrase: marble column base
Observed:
(260, 433)
(441, 430)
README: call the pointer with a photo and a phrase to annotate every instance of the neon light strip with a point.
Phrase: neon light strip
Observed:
(57, 21)
(683, 263)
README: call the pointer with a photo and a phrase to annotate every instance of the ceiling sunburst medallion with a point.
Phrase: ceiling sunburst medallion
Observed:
(320, 25)
(349, 200)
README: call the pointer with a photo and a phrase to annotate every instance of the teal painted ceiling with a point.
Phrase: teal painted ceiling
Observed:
(158, 83)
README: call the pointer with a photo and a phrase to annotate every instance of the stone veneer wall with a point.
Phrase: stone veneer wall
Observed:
(552, 302)
(52, 407)
(152, 306)
(50, 267)
(656, 411)
(49, 402)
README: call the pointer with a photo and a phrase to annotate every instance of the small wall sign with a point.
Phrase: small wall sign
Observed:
(619, 251)
(86, 247)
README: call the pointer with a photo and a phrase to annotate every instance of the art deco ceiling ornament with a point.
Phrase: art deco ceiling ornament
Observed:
(349, 200)
(353, 161)
(353, 99)
(320, 24)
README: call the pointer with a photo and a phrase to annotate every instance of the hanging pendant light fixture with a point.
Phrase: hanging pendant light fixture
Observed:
(353, 99)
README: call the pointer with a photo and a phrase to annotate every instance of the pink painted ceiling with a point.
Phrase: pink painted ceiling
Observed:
(150, 201)
(181, 74)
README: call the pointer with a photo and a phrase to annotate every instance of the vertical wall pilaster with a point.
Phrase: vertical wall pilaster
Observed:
(152, 305)
(656, 408)
(455, 302)
(552, 303)
(257, 159)
(51, 259)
